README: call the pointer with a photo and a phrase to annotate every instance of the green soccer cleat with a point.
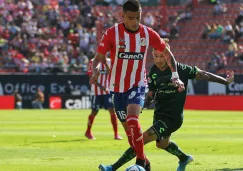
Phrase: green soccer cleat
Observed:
(182, 165)
(105, 168)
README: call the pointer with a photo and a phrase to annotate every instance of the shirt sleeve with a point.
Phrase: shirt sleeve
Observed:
(105, 43)
(156, 41)
(191, 71)
(152, 80)
(89, 72)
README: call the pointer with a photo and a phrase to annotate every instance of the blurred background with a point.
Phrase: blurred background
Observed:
(46, 46)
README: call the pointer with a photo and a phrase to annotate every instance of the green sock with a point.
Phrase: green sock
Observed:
(174, 149)
(126, 157)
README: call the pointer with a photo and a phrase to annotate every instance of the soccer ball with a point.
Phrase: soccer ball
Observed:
(135, 168)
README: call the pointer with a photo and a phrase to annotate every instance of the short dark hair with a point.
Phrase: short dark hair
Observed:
(132, 5)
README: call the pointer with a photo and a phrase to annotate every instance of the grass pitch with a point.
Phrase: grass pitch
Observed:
(53, 140)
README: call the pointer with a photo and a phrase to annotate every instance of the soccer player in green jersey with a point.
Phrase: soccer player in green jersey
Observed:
(169, 106)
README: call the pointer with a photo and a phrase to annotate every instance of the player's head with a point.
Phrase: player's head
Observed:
(132, 14)
(159, 58)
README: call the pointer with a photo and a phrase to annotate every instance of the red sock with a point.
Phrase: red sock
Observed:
(137, 135)
(90, 122)
(129, 137)
(114, 123)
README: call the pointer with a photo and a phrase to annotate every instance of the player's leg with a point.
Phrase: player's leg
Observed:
(135, 102)
(95, 101)
(114, 123)
(174, 149)
(120, 108)
(164, 128)
(129, 154)
(108, 105)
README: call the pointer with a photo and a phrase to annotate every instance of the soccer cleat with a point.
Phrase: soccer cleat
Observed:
(147, 165)
(140, 162)
(89, 136)
(118, 137)
(105, 168)
(182, 165)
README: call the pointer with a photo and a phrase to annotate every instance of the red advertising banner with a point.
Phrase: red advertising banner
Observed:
(7, 102)
(214, 102)
(55, 102)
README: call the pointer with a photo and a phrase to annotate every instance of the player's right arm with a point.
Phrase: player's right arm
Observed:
(103, 48)
(161, 45)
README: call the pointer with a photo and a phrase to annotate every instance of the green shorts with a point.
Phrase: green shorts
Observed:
(165, 126)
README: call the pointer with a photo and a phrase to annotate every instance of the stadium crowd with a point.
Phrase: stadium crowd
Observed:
(229, 34)
(46, 35)
(60, 35)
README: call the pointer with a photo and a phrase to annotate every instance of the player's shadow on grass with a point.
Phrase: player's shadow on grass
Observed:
(228, 169)
(61, 141)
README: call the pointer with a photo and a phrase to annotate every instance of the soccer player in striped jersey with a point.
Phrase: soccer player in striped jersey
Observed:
(128, 44)
(101, 97)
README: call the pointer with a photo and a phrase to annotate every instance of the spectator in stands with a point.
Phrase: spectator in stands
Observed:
(69, 88)
(163, 33)
(214, 63)
(237, 32)
(222, 61)
(229, 33)
(3, 44)
(206, 31)
(232, 49)
(239, 18)
(38, 100)
(84, 61)
(213, 1)
(212, 32)
(219, 9)
(240, 55)
(17, 100)
(149, 20)
(174, 31)
(228, 27)
(84, 41)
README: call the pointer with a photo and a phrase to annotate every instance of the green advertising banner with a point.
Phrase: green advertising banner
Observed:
(120, 2)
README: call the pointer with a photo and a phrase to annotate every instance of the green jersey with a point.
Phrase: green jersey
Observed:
(168, 101)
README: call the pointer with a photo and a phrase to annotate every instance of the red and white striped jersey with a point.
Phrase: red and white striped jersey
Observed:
(128, 52)
(102, 80)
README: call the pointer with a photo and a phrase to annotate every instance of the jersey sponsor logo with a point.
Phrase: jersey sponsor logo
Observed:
(131, 55)
(143, 42)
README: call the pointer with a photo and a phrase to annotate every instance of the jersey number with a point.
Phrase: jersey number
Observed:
(122, 114)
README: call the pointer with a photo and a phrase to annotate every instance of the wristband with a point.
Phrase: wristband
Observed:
(174, 75)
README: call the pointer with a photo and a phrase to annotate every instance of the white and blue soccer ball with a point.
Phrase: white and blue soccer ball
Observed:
(135, 168)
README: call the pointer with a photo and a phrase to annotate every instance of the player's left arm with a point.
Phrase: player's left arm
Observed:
(204, 75)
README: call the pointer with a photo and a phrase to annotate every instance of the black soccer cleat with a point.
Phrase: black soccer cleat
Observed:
(147, 167)
(141, 162)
